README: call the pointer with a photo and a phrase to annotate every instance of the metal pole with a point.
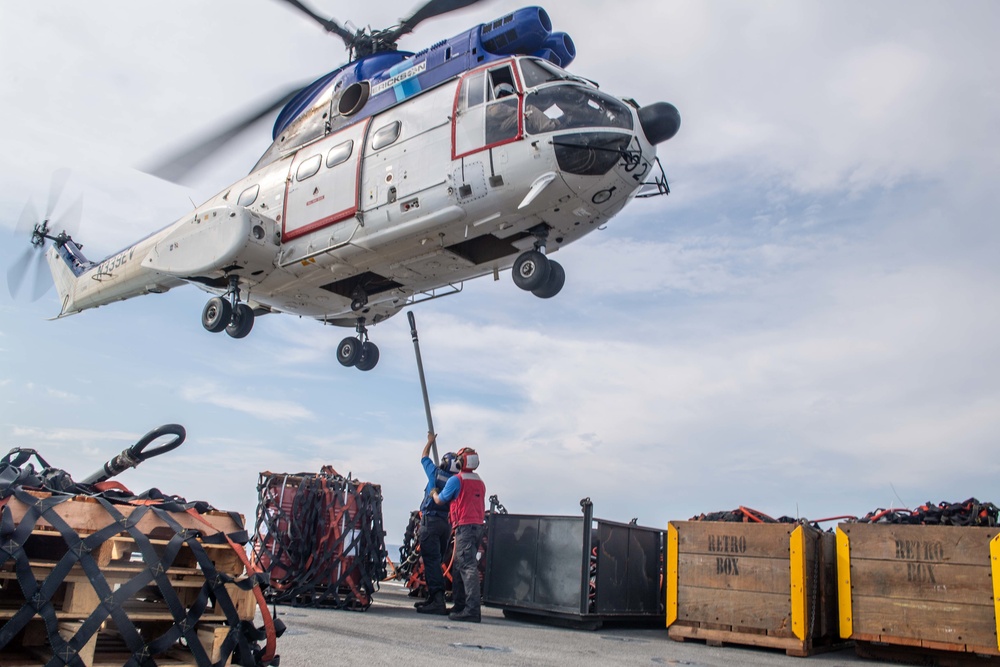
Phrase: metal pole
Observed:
(423, 383)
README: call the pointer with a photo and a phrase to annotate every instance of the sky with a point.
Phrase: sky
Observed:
(807, 325)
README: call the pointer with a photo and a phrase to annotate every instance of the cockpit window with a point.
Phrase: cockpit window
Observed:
(573, 106)
(536, 72)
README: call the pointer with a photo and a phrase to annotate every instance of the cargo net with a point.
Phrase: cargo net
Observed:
(410, 569)
(968, 513)
(320, 537)
(744, 515)
(92, 574)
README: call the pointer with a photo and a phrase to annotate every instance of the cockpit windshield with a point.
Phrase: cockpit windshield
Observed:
(537, 72)
(571, 106)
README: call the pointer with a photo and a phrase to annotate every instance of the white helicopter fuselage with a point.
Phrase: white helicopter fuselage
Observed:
(452, 184)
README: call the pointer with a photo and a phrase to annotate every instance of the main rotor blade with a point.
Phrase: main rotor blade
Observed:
(41, 279)
(175, 167)
(430, 9)
(26, 222)
(69, 220)
(59, 178)
(17, 271)
(329, 24)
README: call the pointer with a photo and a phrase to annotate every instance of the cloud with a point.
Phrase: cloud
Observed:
(210, 393)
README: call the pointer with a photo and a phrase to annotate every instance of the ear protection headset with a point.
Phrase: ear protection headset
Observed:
(450, 462)
(469, 458)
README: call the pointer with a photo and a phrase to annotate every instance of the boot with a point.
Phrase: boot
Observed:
(435, 605)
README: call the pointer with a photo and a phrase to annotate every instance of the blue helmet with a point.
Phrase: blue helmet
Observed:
(450, 463)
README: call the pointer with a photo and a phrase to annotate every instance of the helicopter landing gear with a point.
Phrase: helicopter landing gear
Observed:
(358, 352)
(229, 314)
(534, 272)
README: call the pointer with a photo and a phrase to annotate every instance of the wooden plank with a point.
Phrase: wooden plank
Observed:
(211, 638)
(734, 573)
(933, 582)
(900, 621)
(720, 538)
(87, 515)
(956, 545)
(767, 611)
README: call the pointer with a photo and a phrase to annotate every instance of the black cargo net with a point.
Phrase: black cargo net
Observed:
(968, 513)
(320, 537)
(744, 515)
(92, 574)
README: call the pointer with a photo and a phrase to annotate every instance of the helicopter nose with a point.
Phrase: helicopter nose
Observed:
(659, 121)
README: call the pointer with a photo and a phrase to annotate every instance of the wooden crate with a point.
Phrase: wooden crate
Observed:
(120, 560)
(928, 588)
(767, 585)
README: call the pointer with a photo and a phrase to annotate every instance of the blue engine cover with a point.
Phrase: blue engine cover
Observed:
(522, 32)
(562, 46)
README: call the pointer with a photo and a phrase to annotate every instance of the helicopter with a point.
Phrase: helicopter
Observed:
(392, 180)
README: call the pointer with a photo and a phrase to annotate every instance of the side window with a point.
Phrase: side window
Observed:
(248, 196)
(386, 135)
(472, 90)
(309, 168)
(502, 117)
(339, 153)
(501, 83)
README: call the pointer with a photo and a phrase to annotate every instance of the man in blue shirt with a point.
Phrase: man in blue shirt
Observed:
(435, 527)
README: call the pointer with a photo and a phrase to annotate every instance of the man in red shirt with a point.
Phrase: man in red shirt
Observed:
(466, 492)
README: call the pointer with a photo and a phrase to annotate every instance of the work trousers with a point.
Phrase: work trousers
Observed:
(465, 571)
(434, 533)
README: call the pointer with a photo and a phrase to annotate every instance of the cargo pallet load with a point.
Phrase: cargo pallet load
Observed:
(769, 585)
(320, 538)
(107, 578)
(922, 592)
(574, 570)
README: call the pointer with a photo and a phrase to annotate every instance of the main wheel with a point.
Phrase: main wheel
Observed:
(349, 351)
(216, 315)
(242, 321)
(530, 270)
(552, 286)
(368, 358)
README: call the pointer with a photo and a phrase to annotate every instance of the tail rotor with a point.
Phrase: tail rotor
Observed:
(28, 267)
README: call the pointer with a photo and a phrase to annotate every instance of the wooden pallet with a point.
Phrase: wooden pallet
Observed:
(108, 649)
(721, 635)
(923, 655)
(120, 560)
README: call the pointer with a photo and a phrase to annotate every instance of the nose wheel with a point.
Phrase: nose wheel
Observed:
(534, 272)
(227, 313)
(358, 351)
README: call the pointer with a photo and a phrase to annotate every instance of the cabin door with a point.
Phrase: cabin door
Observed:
(487, 110)
(322, 185)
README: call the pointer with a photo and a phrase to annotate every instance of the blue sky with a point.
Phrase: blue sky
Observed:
(806, 325)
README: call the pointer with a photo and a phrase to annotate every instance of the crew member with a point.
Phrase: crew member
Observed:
(466, 492)
(435, 528)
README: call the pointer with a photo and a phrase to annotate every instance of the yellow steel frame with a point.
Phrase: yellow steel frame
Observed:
(797, 568)
(671, 560)
(995, 571)
(844, 602)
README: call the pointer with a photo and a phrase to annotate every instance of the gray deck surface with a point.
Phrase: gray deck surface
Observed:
(390, 632)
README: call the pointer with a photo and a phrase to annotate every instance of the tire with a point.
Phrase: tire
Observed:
(369, 357)
(349, 351)
(552, 286)
(530, 270)
(216, 315)
(242, 321)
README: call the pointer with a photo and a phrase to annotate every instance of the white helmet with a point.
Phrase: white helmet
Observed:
(469, 458)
